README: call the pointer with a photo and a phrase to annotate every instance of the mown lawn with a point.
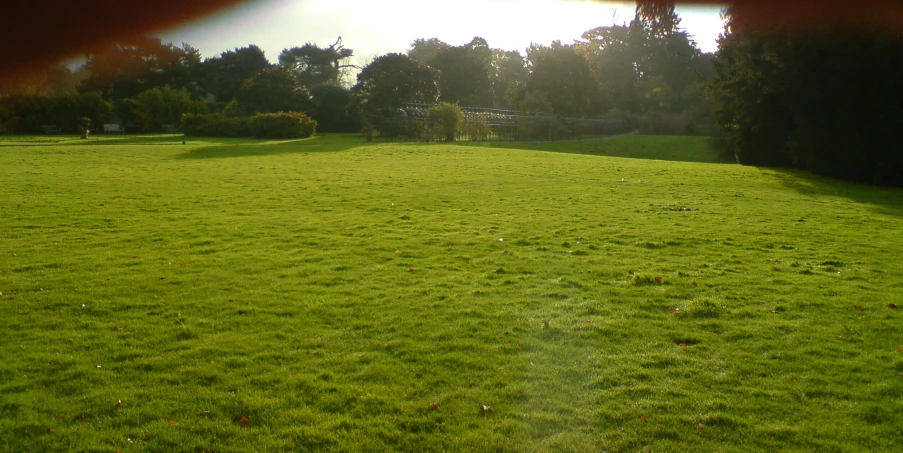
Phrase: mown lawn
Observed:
(329, 294)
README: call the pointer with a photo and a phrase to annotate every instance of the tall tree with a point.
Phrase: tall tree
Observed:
(224, 75)
(273, 90)
(424, 50)
(124, 69)
(509, 74)
(829, 102)
(392, 80)
(465, 73)
(562, 73)
(315, 66)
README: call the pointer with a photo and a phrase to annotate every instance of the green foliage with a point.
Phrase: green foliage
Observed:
(535, 102)
(562, 73)
(263, 125)
(465, 73)
(445, 119)
(331, 105)
(314, 66)
(124, 69)
(223, 76)
(27, 113)
(779, 101)
(392, 80)
(216, 125)
(158, 106)
(273, 90)
(282, 125)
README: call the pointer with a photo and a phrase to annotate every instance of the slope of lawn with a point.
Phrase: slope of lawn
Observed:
(332, 295)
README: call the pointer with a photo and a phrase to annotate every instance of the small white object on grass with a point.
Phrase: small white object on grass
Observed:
(501, 239)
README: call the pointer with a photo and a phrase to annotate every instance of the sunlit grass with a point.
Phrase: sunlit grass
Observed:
(322, 294)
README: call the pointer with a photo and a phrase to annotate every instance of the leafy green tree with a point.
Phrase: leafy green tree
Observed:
(224, 75)
(446, 119)
(465, 73)
(392, 80)
(330, 109)
(424, 51)
(796, 98)
(561, 72)
(124, 69)
(158, 106)
(273, 90)
(314, 66)
(509, 75)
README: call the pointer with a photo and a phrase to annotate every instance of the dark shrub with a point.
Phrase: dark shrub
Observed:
(282, 125)
(263, 125)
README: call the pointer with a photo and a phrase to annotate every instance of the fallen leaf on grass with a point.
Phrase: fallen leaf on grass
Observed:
(694, 283)
(80, 417)
(658, 278)
(517, 346)
(894, 306)
(700, 426)
(398, 252)
(643, 417)
(859, 307)
(118, 404)
(172, 421)
(659, 425)
(12, 254)
(244, 421)
(62, 415)
(545, 324)
(434, 406)
(183, 264)
(413, 268)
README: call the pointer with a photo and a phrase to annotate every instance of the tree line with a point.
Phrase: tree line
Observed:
(827, 98)
(646, 69)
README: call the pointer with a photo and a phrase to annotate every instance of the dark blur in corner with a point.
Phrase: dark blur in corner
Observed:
(41, 32)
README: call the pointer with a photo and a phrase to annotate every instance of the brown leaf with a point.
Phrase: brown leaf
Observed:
(243, 421)
(172, 421)
(517, 346)
(80, 417)
(859, 307)
(183, 264)
(643, 417)
(12, 254)
(413, 268)
(545, 324)
(434, 406)
(658, 278)
(894, 306)
(62, 415)
(700, 426)
(118, 404)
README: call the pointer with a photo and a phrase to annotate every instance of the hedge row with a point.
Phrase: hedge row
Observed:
(262, 125)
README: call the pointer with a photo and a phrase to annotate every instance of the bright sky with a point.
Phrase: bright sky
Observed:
(376, 27)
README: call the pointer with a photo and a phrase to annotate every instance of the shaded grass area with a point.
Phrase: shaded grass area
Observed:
(290, 299)
(658, 147)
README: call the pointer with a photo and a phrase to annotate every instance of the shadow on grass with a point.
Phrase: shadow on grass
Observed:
(887, 200)
(657, 147)
(93, 140)
(248, 147)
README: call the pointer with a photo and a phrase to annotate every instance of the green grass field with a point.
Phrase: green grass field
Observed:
(327, 294)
